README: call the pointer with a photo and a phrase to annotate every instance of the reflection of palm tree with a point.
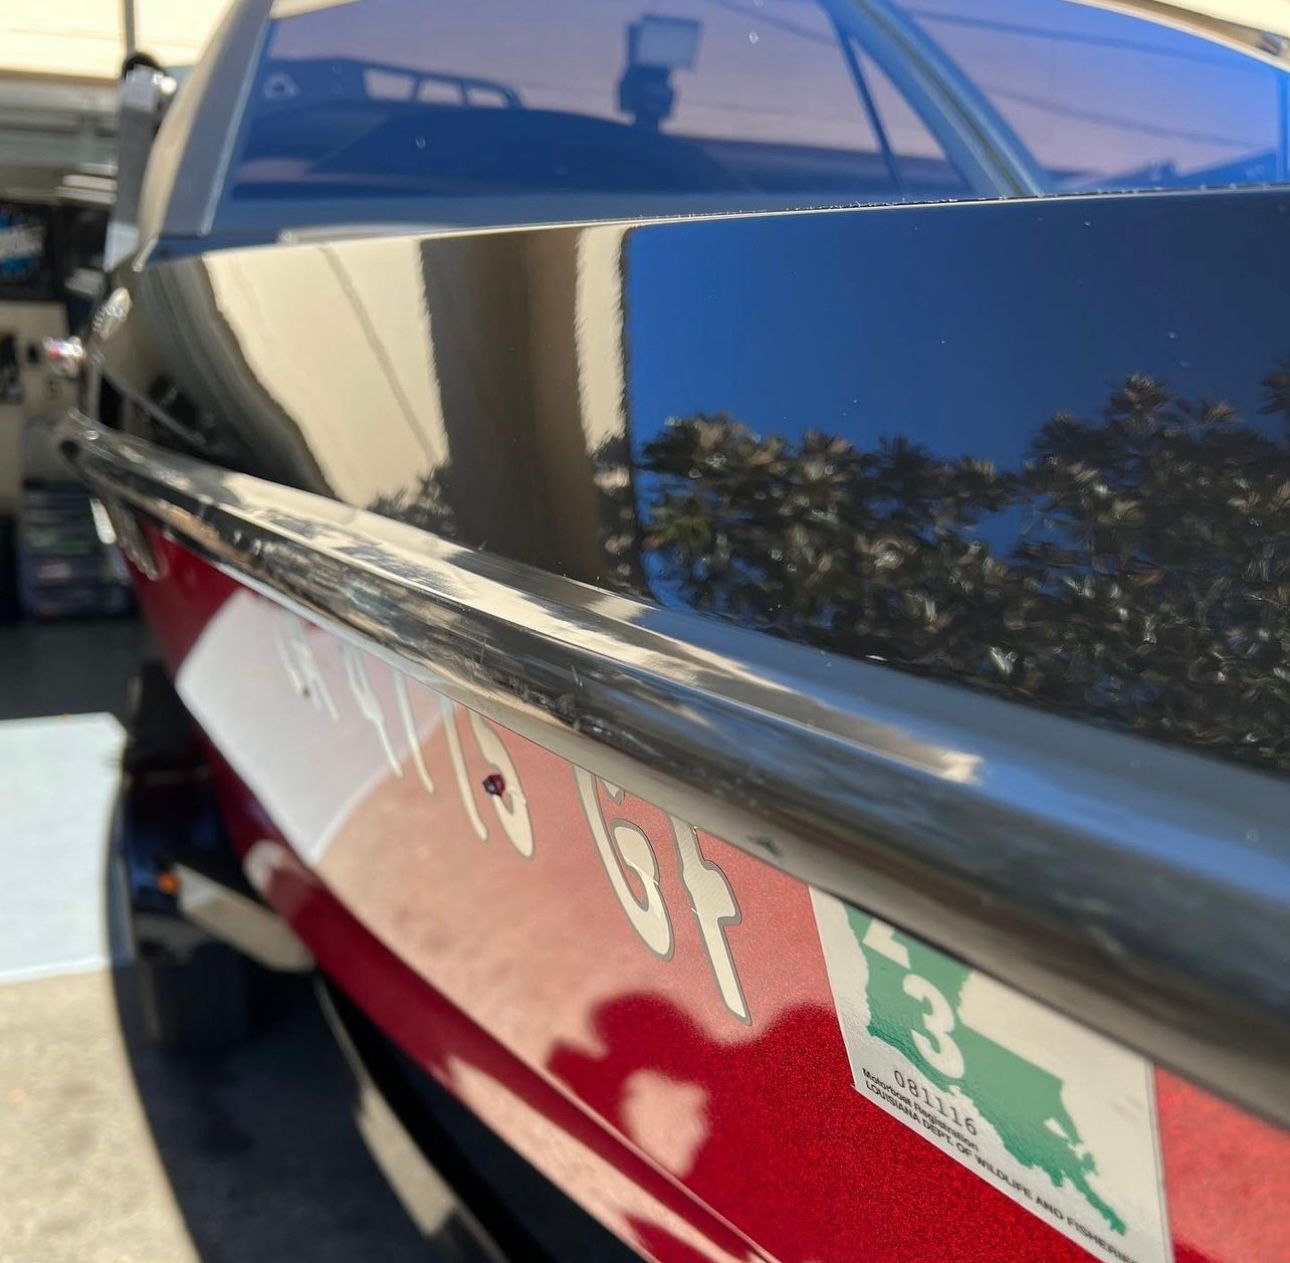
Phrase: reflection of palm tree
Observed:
(426, 504)
(1276, 391)
(620, 524)
(1134, 568)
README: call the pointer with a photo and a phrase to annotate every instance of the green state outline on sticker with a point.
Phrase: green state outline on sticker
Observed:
(1050, 1113)
(914, 1007)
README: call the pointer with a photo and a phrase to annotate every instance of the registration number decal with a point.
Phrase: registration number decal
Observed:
(1054, 1115)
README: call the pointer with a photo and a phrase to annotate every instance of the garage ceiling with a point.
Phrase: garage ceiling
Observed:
(86, 39)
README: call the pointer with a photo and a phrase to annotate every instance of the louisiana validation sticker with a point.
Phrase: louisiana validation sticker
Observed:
(1057, 1117)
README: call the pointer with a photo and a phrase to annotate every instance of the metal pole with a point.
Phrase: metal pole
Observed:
(128, 26)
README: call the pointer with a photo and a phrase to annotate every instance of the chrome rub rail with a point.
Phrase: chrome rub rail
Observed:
(1143, 891)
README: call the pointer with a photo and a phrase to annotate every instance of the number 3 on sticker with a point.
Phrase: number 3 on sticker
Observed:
(938, 1049)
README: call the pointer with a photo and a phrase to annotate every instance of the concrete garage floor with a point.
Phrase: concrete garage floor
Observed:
(109, 1152)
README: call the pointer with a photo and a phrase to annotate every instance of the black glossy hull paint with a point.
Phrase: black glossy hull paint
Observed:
(1034, 448)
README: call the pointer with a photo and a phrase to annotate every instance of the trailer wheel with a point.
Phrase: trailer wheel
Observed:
(198, 1003)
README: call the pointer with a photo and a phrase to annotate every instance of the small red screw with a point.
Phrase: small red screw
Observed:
(495, 784)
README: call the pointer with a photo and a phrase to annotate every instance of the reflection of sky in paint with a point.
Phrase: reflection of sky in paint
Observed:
(959, 331)
(1099, 93)
(963, 329)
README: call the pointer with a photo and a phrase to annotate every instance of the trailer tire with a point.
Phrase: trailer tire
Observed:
(199, 1003)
